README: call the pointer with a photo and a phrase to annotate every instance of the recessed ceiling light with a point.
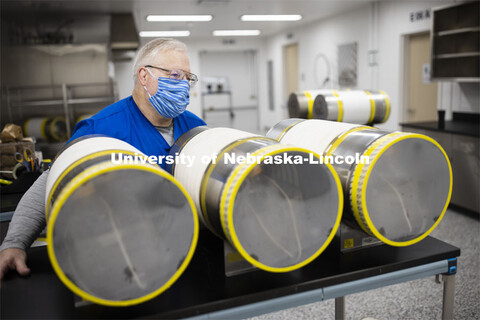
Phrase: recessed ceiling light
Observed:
(181, 18)
(220, 33)
(145, 34)
(271, 17)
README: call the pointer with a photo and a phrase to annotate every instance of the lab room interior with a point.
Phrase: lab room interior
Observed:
(240, 159)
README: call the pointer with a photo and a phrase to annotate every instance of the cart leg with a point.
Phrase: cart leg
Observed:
(340, 308)
(448, 296)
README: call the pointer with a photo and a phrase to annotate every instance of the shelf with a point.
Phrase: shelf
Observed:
(456, 67)
(57, 86)
(456, 18)
(215, 93)
(213, 109)
(456, 79)
(457, 31)
(63, 99)
(457, 55)
(39, 103)
(455, 43)
(90, 100)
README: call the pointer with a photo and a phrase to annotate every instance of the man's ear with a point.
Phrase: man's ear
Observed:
(142, 76)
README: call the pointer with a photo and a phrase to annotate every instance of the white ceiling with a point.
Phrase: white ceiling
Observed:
(226, 13)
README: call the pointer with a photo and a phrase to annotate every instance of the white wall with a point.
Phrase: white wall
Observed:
(124, 78)
(381, 26)
(467, 98)
(321, 37)
(238, 68)
(195, 47)
(458, 97)
(378, 26)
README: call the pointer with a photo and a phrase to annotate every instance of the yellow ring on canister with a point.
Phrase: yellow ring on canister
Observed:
(78, 181)
(387, 104)
(52, 129)
(25, 128)
(206, 177)
(42, 128)
(73, 166)
(310, 104)
(267, 151)
(338, 140)
(372, 107)
(286, 129)
(370, 227)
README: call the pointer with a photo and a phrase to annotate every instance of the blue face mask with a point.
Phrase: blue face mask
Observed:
(172, 97)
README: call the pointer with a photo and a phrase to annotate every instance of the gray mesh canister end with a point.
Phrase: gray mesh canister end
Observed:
(119, 234)
(402, 194)
(280, 217)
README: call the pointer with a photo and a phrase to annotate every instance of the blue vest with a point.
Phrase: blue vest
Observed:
(123, 120)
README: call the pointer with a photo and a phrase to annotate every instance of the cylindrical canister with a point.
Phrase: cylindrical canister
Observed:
(120, 230)
(49, 129)
(278, 214)
(301, 104)
(397, 184)
(351, 106)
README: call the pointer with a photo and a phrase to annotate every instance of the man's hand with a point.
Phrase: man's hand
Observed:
(13, 259)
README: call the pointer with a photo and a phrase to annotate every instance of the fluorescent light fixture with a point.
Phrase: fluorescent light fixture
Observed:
(179, 18)
(220, 33)
(271, 17)
(155, 34)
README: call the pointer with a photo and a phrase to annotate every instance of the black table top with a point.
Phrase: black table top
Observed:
(11, 194)
(204, 288)
(8, 202)
(467, 128)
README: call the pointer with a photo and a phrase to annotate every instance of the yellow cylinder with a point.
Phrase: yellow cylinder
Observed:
(52, 129)
(351, 106)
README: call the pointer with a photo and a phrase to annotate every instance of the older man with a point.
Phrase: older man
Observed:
(151, 119)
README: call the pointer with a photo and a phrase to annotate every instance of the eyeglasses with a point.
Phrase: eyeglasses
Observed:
(178, 74)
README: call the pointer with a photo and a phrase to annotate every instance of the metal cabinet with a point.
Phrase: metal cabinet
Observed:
(414, 130)
(444, 139)
(466, 172)
(464, 154)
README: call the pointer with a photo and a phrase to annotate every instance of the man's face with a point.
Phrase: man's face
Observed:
(170, 60)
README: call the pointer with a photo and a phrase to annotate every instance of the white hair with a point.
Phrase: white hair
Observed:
(147, 53)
